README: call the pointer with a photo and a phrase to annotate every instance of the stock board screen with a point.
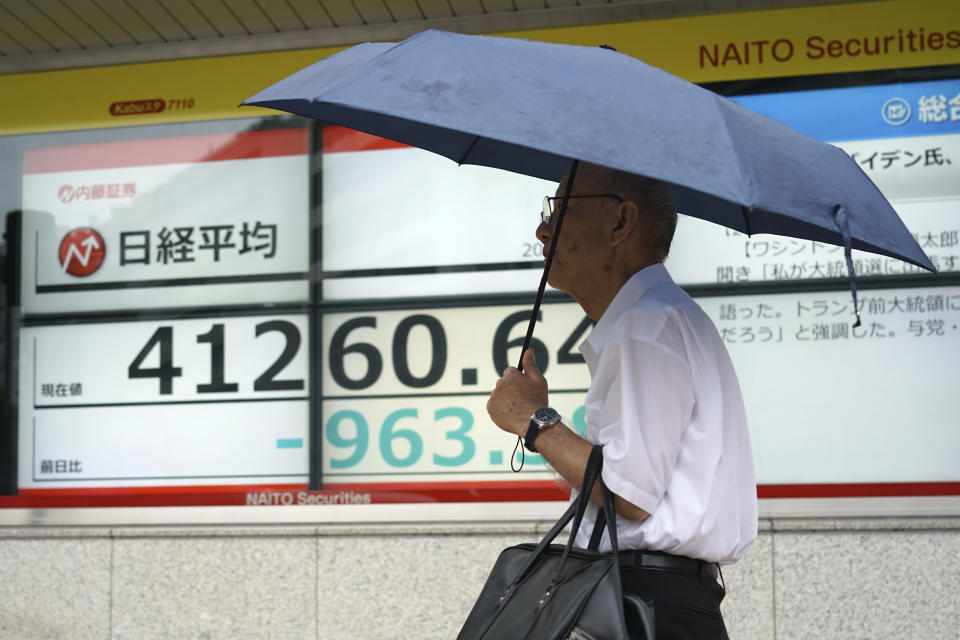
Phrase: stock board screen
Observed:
(194, 329)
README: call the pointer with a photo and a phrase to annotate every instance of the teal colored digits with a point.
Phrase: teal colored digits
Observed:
(388, 435)
(460, 435)
(360, 441)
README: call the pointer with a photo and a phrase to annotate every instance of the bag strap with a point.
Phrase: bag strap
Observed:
(574, 512)
(605, 514)
(610, 515)
(578, 508)
(590, 475)
(598, 527)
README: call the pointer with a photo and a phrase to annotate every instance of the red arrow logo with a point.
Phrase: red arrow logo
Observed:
(81, 252)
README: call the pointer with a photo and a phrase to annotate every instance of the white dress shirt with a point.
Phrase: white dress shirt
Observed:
(665, 402)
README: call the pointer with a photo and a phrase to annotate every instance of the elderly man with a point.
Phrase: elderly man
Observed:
(663, 401)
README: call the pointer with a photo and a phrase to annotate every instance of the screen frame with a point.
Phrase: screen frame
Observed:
(808, 506)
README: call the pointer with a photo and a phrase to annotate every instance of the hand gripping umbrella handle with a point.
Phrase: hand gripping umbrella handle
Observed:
(543, 285)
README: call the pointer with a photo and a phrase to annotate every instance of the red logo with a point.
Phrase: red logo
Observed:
(102, 191)
(67, 194)
(137, 107)
(82, 251)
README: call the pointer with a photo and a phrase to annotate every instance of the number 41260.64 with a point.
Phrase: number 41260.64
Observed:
(166, 371)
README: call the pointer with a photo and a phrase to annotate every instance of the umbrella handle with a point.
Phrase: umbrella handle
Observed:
(558, 224)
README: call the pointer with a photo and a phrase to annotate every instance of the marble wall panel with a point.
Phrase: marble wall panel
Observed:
(214, 587)
(410, 586)
(867, 584)
(56, 587)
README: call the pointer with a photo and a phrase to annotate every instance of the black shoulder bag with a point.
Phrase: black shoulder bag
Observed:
(560, 592)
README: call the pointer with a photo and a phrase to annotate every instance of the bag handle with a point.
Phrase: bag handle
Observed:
(574, 512)
(605, 515)
(599, 525)
(590, 476)
(610, 514)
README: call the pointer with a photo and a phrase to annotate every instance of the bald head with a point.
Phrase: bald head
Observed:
(652, 197)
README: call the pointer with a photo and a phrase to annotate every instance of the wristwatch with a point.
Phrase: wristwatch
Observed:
(541, 419)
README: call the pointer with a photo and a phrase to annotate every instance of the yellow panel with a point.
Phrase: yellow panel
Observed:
(198, 89)
(783, 42)
(702, 49)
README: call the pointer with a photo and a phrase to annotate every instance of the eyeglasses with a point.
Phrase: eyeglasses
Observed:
(548, 203)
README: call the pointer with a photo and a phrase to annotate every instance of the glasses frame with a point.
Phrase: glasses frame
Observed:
(546, 214)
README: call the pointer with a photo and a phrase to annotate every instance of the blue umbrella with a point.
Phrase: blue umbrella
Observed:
(539, 109)
(533, 108)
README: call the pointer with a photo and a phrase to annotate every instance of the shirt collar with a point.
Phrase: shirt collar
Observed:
(632, 290)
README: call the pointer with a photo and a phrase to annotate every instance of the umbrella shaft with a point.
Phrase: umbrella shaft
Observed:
(535, 313)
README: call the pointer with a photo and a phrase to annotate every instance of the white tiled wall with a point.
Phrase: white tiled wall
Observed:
(812, 579)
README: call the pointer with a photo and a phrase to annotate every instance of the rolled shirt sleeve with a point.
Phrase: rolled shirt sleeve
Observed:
(642, 418)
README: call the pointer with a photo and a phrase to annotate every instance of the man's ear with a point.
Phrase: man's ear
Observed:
(626, 222)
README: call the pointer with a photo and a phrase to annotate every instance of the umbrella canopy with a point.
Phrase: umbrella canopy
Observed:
(534, 108)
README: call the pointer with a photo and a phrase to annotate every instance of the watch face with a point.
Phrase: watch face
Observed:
(546, 416)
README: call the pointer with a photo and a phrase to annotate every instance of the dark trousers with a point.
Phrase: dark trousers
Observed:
(686, 607)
